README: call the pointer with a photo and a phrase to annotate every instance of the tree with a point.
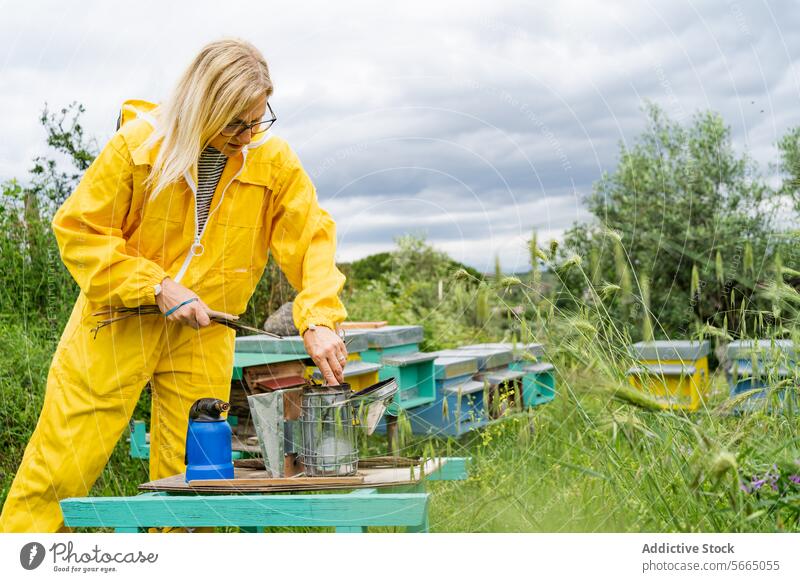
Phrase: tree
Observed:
(33, 281)
(680, 199)
(789, 147)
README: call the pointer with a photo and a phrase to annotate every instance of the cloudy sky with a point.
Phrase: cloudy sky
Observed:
(469, 123)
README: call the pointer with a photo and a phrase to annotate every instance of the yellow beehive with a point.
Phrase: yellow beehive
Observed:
(351, 357)
(675, 373)
(357, 373)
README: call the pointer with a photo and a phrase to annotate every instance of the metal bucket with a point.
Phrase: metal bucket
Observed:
(329, 447)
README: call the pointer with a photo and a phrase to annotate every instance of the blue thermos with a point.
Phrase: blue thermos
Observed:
(208, 441)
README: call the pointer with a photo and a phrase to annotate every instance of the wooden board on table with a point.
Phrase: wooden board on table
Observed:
(259, 481)
(254, 481)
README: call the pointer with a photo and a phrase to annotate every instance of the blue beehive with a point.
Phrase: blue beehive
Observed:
(520, 352)
(489, 358)
(758, 365)
(459, 406)
(503, 391)
(504, 388)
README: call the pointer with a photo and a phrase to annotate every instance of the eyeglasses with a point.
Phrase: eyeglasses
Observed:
(256, 128)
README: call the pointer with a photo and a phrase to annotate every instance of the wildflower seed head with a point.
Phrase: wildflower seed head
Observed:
(509, 281)
(614, 235)
(608, 289)
(723, 462)
(574, 260)
(553, 248)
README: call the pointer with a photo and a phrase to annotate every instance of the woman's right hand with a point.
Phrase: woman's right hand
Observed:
(195, 314)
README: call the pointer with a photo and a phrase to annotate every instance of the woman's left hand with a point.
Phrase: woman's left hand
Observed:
(328, 351)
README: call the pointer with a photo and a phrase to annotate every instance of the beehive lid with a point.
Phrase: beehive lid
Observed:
(518, 350)
(744, 369)
(766, 349)
(488, 357)
(662, 370)
(448, 367)
(391, 335)
(293, 344)
(353, 368)
(356, 341)
(498, 376)
(400, 360)
(539, 367)
(686, 350)
(261, 344)
(243, 360)
(465, 387)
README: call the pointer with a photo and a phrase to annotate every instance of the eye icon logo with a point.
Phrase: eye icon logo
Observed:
(31, 555)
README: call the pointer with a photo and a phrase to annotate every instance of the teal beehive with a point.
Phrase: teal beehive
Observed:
(414, 373)
(390, 339)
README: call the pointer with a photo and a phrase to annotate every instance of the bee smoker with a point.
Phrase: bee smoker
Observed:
(208, 441)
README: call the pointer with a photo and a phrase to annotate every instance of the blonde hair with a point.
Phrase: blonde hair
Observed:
(225, 79)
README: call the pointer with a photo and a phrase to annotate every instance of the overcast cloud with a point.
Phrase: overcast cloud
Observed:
(471, 124)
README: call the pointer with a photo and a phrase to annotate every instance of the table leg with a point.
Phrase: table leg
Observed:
(424, 527)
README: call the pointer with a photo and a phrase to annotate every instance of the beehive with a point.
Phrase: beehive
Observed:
(535, 385)
(502, 385)
(489, 358)
(674, 372)
(503, 391)
(759, 365)
(538, 383)
(414, 374)
(357, 373)
(389, 340)
(459, 406)
(293, 345)
(520, 352)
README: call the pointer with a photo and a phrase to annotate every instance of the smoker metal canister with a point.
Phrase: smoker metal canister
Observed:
(329, 447)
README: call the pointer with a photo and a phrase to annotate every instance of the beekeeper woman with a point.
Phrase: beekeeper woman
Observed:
(180, 209)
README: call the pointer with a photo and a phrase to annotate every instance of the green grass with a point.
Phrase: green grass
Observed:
(24, 362)
(598, 458)
(584, 463)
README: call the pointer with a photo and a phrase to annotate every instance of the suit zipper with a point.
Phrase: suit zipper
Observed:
(197, 248)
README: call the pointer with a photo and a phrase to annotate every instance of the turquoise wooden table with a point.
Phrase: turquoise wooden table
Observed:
(403, 506)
